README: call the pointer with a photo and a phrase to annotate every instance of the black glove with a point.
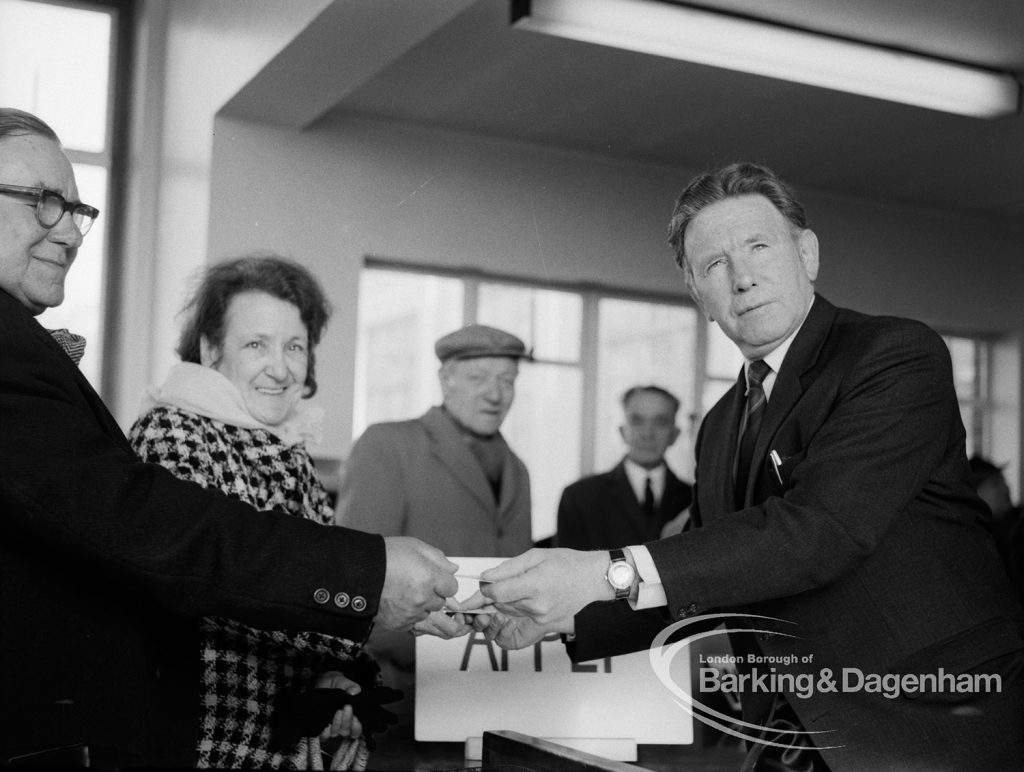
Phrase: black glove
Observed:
(306, 714)
(363, 669)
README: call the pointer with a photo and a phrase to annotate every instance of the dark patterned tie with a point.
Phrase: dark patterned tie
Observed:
(751, 425)
(73, 345)
(648, 497)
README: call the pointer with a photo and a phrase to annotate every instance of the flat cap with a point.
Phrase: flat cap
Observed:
(479, 340)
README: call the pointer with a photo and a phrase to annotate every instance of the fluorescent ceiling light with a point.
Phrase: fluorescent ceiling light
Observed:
(706, 37)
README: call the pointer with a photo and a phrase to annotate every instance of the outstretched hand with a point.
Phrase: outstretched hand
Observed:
(548, 586)
(418, 578)
(511, 632)
(444, 624)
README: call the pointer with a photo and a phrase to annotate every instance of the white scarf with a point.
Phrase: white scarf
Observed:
(206, 392)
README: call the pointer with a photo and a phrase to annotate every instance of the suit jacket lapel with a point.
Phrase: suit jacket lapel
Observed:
(788, 388)
(667, 506)
(71, 370)
(450, 449)
(625, 500)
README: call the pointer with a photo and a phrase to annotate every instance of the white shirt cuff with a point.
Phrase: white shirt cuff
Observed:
(651, 590)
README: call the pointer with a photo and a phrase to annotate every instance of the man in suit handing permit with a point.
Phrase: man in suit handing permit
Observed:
(832, 494)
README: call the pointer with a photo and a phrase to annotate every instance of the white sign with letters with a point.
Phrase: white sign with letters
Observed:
(467, 686)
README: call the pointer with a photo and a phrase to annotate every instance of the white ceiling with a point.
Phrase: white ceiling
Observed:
(459, 65)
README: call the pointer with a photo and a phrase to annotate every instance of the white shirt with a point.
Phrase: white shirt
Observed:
(638, 476)
(652, 591)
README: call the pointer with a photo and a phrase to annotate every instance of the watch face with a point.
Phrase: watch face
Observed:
(620, 575)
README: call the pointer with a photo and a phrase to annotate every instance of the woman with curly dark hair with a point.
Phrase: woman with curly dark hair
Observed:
(232, 416)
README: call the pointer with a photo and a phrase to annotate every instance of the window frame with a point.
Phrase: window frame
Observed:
(591, 294)
(113, 159)
(980, 405)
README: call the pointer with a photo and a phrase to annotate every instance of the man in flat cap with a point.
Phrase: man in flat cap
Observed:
(448, 476)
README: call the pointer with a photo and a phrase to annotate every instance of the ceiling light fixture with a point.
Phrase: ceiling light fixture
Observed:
(707, 37)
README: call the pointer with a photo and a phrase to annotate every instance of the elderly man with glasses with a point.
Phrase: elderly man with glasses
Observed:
(35, 277)
(106, 563)
(51, 206)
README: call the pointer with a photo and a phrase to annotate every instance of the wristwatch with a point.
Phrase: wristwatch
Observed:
(620, 574)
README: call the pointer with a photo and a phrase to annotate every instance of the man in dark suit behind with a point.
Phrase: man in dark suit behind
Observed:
(833, 500)
(633, 502)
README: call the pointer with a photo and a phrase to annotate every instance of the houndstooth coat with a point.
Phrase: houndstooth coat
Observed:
(244, 668)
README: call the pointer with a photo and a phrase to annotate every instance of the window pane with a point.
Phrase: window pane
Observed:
(968, 415)
(968, 356)
(714, 390)
(724, 360)
(82, 309)
(548, 320)
(963, 351)
(401, 315)
(644, 343)
(54, 62)
(543, 428)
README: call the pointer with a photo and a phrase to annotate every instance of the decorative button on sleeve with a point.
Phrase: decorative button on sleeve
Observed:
(341, 600)
(321, 596)
(359, 603)
(688, 611)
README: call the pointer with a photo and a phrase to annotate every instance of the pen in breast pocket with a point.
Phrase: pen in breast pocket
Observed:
(776, 460)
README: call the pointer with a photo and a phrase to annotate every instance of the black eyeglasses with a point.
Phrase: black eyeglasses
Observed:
(51, 206)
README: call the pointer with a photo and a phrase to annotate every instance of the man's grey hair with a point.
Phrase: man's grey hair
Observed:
(18, 123)
(739, 179)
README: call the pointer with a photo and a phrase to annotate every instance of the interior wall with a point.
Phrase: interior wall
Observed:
(444, 199)
(331, 196)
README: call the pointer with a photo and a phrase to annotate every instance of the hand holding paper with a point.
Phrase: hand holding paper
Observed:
(418, 579)
(456, 617)
(549, 586)
(469, 606)
(511, 632)
(445, 624)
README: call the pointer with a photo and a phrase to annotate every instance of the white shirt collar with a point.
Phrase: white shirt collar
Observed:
(774, 358)
(638, 475)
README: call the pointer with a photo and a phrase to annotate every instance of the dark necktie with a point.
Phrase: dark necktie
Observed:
(648, 497)
(73, 345)
(751, 425)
